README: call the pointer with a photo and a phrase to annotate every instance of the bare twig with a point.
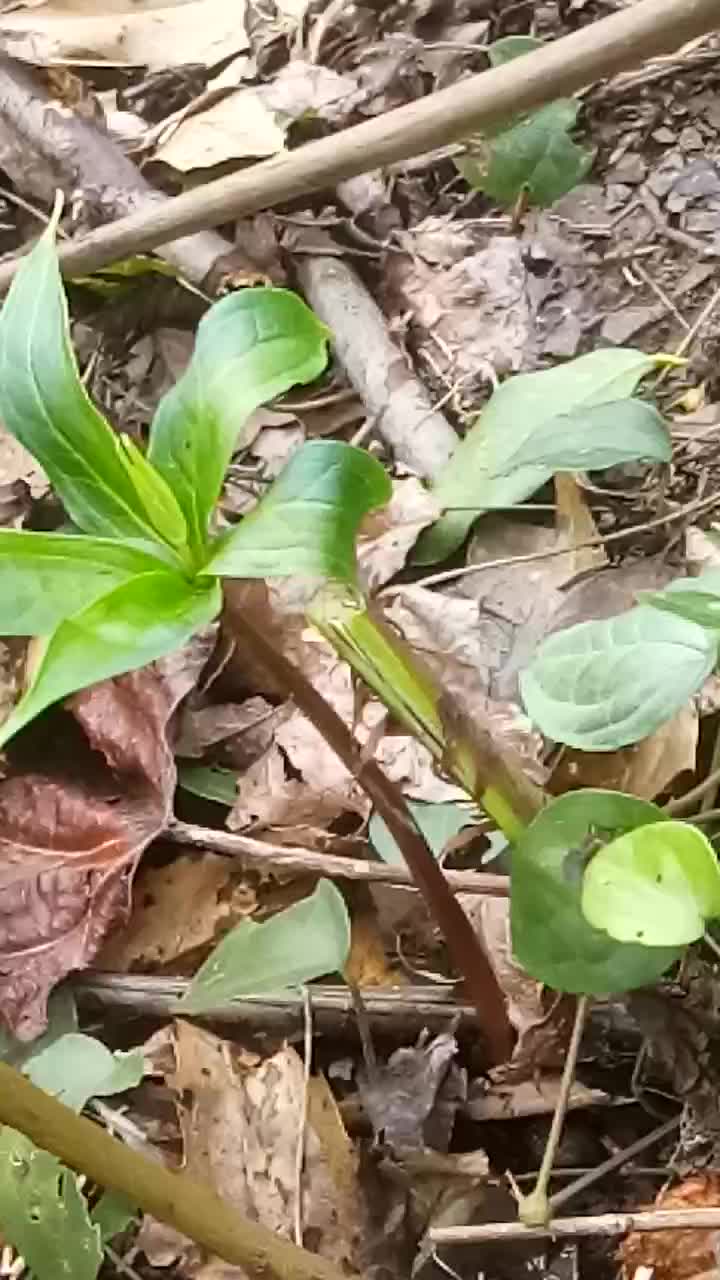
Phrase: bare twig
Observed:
(602, 49)
(613, 1163)
(602, 1224)
(293, 858)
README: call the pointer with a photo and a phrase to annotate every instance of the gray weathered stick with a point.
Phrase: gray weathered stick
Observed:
(616, 43)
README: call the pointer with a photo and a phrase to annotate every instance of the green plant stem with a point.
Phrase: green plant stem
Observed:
(462, 942)
(190, 1207)
(535, 1209)
(469, 751)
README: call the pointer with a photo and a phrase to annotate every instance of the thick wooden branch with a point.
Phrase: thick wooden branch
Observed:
(614, 44)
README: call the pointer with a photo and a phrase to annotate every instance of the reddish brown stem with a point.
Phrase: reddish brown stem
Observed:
(462, 942)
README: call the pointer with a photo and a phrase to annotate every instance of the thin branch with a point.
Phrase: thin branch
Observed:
(191, 1207)
(616, 43)
(614, 1162)
(601, 1224)
(292, 858)
(462, 942)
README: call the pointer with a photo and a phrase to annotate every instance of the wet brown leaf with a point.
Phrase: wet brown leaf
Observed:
(676, 1255)
(643, 769)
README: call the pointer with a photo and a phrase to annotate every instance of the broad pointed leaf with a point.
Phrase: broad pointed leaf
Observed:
(658, 886)
(308, 522)
(306, 941)
(602, 685)
(697, 599)
(551, 937)
(438, 823)
(250, 347)
(589, 439)
(46, 576)
(481, 474)
(125, 629)
(45, 406)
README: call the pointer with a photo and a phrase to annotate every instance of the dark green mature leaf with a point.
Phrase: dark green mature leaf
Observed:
(132, 625)
(306, 941)
(602, 685)
(533, 154)
(657, 885)
(43, 1213)
(46, 576)
(308, 522)
(603, 435)
(210, 782)
(44, 405)
(551, 937)
(482, 474)
(250, 347)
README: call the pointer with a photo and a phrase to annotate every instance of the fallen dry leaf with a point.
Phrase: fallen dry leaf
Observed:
(149, 33)
(89, 834)
(176, 909)
(367, 964)
(411, 1100)
(676, 1255)
(240, 1121)
(644, 769)
(389, 534)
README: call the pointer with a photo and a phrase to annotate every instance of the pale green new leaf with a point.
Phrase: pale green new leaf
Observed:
(62, 1020)
(111, 1215)
(697, 599)
(308, 522)
(438, 823)
(481, 475)
(43, 1213)
(602, 685)
(551, 938)
(658, 886)
(44, 405)
(251, 346)
(306, 941)
(132, 625)
(46, 576)
(78, 1067)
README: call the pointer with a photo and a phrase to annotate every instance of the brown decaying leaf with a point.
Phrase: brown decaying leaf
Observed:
(240, 1120)
(676, 1255)
(644, 769)
(411, 1100)
(367, 964)
(88, 836)
(389, 534)
(176, 909)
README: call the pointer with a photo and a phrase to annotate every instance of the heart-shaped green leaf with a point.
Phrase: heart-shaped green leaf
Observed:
(308, 522)
(602, 685)
(551, 937)
(438, 823)
(306, 941)
(77, 1067)
(251, 346)
(480, 476)
(657, 886)
(697, 599)
(45, 576)
(132, 625)
(45, 406)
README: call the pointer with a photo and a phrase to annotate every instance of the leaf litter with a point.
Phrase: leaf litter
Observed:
(474, 298)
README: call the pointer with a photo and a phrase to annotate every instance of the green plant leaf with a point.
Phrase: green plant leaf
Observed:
(603, 685)
(536, 155)
(589, 439)
(132, 625)
(251, 346)
(210, 782)
(479, 476)
(438, 823)
(303, 942)
(697, 599)
(657, 886)
(77, 1067)
(46, 576)
(111, 1215)
(45, 406)
(62, 1019)
(308, 522)
(43, 1213)
(551, 937)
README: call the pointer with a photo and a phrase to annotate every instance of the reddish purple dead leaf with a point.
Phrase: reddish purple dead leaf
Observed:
(70, 846)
